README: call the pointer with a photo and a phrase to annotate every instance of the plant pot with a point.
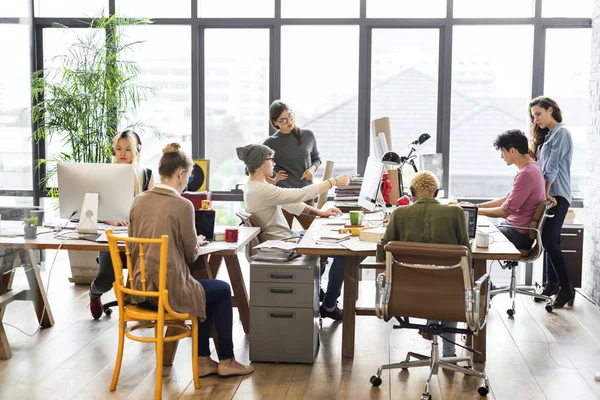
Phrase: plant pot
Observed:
(30, 232)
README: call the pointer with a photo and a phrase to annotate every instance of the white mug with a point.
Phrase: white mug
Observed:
(482, 239)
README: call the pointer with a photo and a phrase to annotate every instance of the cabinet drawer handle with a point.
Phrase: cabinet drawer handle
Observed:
(282, 290)
(282, 276)
(568, 234)
(281, 315)
(569, 251)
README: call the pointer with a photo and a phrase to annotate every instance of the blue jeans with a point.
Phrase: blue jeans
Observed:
(335, 282)
(556, 266)
(520, 240)
(220, 310)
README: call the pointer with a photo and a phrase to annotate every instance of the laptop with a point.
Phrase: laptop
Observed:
(471, 221)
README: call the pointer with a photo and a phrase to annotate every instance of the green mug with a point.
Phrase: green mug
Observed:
(356, 217)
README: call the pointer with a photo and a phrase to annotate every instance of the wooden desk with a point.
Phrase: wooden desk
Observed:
(501, 249)
(20, 251)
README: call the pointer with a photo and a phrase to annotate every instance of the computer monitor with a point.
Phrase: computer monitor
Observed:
(471, 220)
(95, 192)
(370, 194)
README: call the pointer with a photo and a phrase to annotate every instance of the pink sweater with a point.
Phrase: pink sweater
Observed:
(527, 193)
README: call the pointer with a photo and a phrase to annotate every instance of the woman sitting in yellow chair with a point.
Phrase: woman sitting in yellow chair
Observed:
(162, 211)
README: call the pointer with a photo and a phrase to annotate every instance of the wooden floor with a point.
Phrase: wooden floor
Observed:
(535, 355)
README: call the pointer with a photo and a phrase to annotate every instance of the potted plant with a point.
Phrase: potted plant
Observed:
(30, 227)
(84, 101)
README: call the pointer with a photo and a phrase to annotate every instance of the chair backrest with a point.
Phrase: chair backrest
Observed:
(535, 230)
(250, 220)
(433, 281)
(122, 288)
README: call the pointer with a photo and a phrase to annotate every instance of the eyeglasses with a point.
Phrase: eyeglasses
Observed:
(284, 121)
(270, 159)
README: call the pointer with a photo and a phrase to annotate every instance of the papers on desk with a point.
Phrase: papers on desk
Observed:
(331, 236)
(275, 250)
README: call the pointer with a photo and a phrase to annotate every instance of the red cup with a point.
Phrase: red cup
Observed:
(231, 235)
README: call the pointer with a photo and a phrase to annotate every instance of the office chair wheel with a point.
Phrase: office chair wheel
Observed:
(510, 312)
(375, 381)
(108, 311)
(549, 307)
(483, 390)
(425, 396)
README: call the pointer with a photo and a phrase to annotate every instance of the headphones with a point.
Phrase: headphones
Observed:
(123, 135)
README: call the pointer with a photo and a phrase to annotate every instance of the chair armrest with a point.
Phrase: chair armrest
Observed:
(477, 303)
(382, 296)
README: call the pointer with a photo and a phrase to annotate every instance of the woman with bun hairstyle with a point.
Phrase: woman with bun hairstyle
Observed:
(296, 155)
(267, 201)
(126, 148)
(163, 211)
(552, 147)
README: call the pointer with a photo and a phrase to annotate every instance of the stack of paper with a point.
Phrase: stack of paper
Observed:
(331, 236)
(275, 250)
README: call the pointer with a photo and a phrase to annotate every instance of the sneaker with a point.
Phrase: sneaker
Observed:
(96, 308)
(336, 314)
(321, 295)
(550, 289)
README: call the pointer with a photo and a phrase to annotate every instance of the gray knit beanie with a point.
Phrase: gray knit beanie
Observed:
(253, 155)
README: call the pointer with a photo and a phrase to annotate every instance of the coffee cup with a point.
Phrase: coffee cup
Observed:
(483, 239)
(356, 217)
(231, 235)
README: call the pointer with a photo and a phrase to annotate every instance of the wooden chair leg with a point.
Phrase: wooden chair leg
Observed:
(119, 360)
(195, 352)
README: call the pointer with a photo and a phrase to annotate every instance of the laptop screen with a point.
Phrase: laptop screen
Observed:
(471, 220)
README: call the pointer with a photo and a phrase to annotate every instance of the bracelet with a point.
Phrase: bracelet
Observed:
(336, 182)
(330, 184)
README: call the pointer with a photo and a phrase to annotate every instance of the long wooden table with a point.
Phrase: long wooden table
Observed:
(501, 249)
(18, 251)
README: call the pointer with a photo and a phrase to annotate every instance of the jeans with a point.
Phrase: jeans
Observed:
(220, 310)
(334, 285)
(106, 275)
(520, 240)
(556, 266)
(448, 349)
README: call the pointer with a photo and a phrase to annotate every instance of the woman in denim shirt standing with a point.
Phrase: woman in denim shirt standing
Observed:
(552, 146)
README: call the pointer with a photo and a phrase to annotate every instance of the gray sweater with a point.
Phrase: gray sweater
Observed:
(294, 158)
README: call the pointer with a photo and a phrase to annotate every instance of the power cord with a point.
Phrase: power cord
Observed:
(47, 288)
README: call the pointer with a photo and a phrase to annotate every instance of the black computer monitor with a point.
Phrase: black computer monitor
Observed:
(471, 220)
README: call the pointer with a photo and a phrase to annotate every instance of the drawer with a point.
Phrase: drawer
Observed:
(283, 334)
(284, 275)
(283, 294)
(574, 263)
(571, 238)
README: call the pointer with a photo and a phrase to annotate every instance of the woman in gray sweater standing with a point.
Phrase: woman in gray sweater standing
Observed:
(296, 155)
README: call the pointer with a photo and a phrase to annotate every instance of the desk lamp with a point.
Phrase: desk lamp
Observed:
(393, 160)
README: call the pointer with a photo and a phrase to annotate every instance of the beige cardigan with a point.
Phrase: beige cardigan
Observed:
(159, 212)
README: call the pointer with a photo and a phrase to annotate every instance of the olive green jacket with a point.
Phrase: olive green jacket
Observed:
(426, 221)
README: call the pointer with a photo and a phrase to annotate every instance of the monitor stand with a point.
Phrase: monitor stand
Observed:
(88, 217)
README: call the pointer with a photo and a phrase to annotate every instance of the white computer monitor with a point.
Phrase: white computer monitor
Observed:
(95, 192)
(370, 194)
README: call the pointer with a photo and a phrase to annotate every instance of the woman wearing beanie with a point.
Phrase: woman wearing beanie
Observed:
(266, 202)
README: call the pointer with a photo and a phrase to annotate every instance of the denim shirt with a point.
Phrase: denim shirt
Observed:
(554, 157)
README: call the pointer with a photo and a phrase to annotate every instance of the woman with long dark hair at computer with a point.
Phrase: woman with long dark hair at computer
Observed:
(296, 155)
(552, 147)
(267, 201)
(126, 148)
(163, 211)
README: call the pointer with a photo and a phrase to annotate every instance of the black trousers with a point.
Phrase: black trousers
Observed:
(556, 266)
(106, 275)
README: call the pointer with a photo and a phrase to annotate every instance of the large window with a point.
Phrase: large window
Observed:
(493, 9)
(404, 84)
(164, 58)
(154, 8)
(15, 122)
(491, 87)
(406, 9)
(320, 9)
(567, 77)
(319, 80)
(236, 8)
(70, 8)
(236, 85)
(572, 8)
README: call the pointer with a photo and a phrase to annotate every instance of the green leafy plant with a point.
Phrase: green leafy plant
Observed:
(30, 222)
(86, 99)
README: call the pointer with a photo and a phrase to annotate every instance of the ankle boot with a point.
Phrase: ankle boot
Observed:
(550, 289)
(564, 296)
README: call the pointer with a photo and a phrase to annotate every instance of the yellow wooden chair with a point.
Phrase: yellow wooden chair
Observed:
(163, 316)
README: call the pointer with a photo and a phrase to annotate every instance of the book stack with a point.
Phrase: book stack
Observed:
(346, 197)
(275, 251)
(331, 236)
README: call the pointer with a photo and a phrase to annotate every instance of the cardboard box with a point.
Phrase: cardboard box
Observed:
(372, 235)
